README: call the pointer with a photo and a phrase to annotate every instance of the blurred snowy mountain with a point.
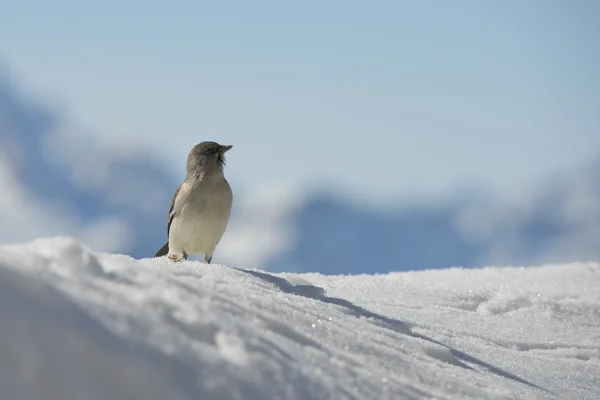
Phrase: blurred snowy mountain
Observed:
(58, 180)
(558, 221)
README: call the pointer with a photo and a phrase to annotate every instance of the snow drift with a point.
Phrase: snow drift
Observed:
(78, 324)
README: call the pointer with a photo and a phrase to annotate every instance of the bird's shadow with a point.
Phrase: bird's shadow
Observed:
(317, 293)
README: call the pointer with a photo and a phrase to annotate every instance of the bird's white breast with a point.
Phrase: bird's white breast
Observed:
(202, 214)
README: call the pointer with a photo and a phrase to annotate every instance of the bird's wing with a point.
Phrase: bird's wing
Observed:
(172, 210)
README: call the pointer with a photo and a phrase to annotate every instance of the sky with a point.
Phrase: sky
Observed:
(382, 100)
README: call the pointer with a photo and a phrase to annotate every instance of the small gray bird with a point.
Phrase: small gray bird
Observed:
(201, 205)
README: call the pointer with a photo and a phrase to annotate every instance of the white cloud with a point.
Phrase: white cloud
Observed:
(262, 227)
(109, 234)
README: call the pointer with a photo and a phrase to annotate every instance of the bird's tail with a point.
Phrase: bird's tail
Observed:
(163, 250)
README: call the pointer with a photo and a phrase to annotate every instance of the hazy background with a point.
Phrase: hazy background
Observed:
(368, 136)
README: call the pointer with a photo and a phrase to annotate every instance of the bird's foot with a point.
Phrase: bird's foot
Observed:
(177, 258)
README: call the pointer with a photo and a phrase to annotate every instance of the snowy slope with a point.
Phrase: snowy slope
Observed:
(78, 324)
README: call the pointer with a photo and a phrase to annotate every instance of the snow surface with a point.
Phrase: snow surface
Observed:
(77, 324)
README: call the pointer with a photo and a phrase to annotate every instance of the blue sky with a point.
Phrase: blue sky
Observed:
(384, 99)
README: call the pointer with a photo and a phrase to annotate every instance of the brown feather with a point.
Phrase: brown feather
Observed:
(171, 215)
(165, 249)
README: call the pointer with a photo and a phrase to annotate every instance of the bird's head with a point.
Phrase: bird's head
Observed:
(207, 157)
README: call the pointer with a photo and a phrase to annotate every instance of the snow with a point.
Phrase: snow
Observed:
(75, 323)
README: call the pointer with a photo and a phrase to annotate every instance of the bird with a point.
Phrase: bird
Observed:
(201, 205)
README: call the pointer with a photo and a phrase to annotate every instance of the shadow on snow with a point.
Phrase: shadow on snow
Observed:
(317, 293)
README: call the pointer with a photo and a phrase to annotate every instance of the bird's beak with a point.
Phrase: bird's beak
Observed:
(225, 149)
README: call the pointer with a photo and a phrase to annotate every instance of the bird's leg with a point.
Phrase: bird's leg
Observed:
(208, 258)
